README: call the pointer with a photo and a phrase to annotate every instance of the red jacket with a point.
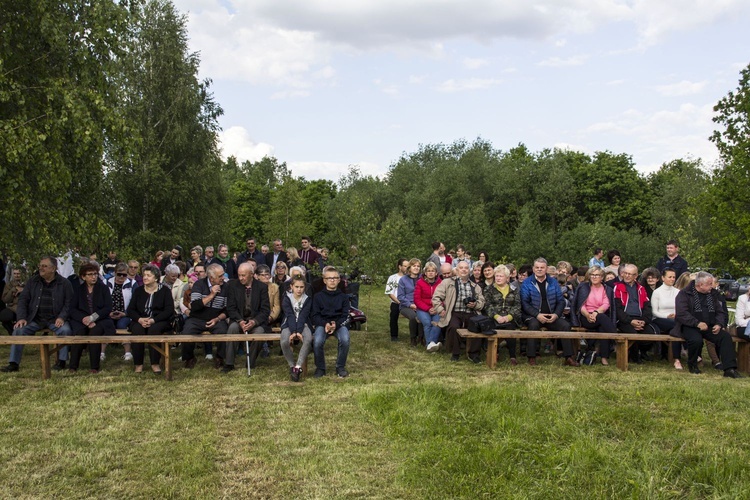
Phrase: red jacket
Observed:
(423, 293)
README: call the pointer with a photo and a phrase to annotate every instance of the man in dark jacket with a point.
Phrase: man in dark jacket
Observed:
(44, 303)
(248, 308)
(673, 260)
(208, 302)
(330, 317)
(699, 315)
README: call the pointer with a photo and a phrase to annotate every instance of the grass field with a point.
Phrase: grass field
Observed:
(405, 424)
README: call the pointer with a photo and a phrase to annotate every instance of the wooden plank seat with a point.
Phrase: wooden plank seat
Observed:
(50, 344)
(623, 342)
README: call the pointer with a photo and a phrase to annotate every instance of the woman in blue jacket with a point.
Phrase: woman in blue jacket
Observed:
(405, 295)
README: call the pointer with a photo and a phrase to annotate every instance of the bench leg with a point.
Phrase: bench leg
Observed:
(670, 356)
(743, 356)
(46, 369)
(167, 362)
(491, 353)
(622, 354)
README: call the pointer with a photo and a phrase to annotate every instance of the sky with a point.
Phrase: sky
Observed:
(323, 85)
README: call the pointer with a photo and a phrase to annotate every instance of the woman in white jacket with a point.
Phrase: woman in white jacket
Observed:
(663, 309)
(742, 315)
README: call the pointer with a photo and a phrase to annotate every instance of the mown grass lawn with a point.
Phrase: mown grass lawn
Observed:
(405, 424)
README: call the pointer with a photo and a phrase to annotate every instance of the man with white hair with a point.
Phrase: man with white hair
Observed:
(699, 315)
(208, 302)
(248, 308)
(634, 311)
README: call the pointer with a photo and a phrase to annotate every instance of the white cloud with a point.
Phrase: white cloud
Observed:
(682, 88)
(474, 63)
(236, 141)
(468, 84)
(558, 62)
(332, 170)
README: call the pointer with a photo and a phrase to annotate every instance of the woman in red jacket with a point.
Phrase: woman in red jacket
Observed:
(427, 314)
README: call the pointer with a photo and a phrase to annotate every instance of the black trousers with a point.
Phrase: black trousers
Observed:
(461, 320)
(649, 328)
(602, 324)
(8, 318)
(722, 340)
(559, 325)
(510, 343)
(394, 320)
(95, 350)
(139, 349)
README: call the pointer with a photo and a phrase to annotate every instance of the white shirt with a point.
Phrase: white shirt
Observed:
(663, 301)
(742, 311)
(391, 286)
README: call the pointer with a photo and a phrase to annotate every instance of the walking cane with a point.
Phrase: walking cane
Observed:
(247, 354)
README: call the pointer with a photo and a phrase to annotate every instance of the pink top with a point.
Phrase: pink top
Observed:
(597, 299)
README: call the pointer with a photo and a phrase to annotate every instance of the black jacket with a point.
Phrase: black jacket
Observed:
(330, 306)
(294, 323)
(582, 293)
(102, 301)
(685, 313)
(259, 302)
(162, 305)
(28, 301)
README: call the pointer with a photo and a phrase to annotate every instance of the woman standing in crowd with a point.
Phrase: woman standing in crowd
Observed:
(615, 259)
(293, 256)
(405, 295)
(157, 258)
(483, 257)
(10, 297)
(650, 280)
(196, 257)
(594, 309)
(502, 303)
(426, 313)
(476, 273)
(488, 273)
(296, 326)
(89, 315)
(281, 275)
(152, 309)
(663, 309)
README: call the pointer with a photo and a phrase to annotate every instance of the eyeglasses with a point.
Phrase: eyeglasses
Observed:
(122, 275)
(91, 274)
(133, 267)
(596, 275)
(332, 279)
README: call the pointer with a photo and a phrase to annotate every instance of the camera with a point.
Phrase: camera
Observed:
(467, 300)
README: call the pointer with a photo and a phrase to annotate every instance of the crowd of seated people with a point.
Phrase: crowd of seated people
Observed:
(207, 291)
(613, 298)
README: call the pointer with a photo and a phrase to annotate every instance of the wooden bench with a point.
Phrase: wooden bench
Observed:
(50, 344)
(623, 343)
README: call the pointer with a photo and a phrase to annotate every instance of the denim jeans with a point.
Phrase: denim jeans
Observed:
(123, 323)
(431, 332)
(30, 329)
(319, 341)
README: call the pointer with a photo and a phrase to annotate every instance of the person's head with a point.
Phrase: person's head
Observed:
(564, 267)
(540, 269)
(668, 276)
(277, 246)
(581, 273)
(151, 274)
(460, 251)
(176, 252)
(629, 273)
(524, 272)
(446, 270)
(704, 282)
(89, 272)
(476, 270)
(196, 252)
(483, 256)
(614, 257)
(552, 271)
(182, 267)
(323, 252)
(609, 276)
(502, 275)
(158, 255)
(402, 266)
(93, 257)
(598, 253)
(414, 267)
(298, 286)
(250, 245)
(171, 273)
(684, 280)
(650, 277)
(133, 268)
(200, 271)
(305, 242)
(292, 254)
(430, 271)
(215, 274)
(264, 249)
(331, 278)
(595, 275)
(112, 255)
(435, 246)
(297, 271)
(488, 270)
(223, 251)
(121, 273)
(462, 270)
(281, 269)
(672, 249)
(441, 249)
(16, 275)
(263, 272)
(47, 268)
(245, 273)
(253, 264)
(512, 270)
(209, 252)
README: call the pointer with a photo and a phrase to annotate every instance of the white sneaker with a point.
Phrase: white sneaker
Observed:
(432, 347)
(102, 356)
(439, 346)
(209, 356)
(128, 356)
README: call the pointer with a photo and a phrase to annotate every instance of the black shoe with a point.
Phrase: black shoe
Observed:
(227, 368)
(319, 373)
(12, 367)
(719, 366)
(645, 357)
(294, 373)
(342, 373)
(394, 339)
(475, 360)
(732, 373)
(635, 358)
(693, 367)
(455, 357)
(59, 366)
(265, 351)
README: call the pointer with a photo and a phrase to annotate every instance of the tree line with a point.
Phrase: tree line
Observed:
(110, 140)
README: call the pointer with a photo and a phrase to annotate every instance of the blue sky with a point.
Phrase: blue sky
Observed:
(323, 85)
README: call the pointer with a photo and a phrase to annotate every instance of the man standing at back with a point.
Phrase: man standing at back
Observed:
(277, 255)
(542, 303)
(673, 259)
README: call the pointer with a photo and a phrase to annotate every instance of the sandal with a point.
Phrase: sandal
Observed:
(157, 370)
(677, 364)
